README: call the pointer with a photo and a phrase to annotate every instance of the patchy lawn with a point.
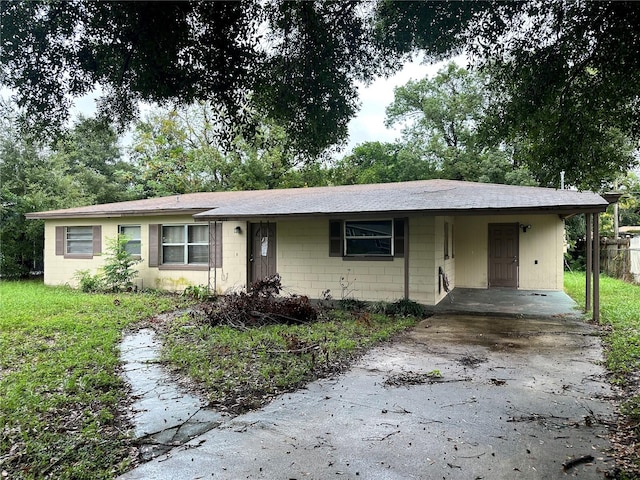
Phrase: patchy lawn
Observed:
(62, 397)
(63, 405)
(620, 317)
(242, 369)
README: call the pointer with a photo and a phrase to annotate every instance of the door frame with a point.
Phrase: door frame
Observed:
(516, 263)
(272, 235)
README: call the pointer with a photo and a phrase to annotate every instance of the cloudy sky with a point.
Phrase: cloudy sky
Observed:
(368, 125)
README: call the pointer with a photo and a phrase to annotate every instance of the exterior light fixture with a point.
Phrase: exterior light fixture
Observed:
(237, 230)
(525, 227)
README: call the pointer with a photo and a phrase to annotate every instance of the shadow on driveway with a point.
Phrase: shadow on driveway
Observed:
(516, 398)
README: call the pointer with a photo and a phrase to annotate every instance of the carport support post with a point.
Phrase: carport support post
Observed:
(589, 259)
(596, 267)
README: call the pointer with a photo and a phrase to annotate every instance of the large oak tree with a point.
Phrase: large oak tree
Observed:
(566, 73)
(297, 62)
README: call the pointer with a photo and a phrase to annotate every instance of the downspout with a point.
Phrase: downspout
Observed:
(406, 259)
(596, 267)
(215, 269)
(209, 259)
(589, 259)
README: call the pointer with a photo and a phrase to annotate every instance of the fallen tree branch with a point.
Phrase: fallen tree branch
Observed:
(577, 461)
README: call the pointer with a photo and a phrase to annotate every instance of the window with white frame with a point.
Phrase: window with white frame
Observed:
(134, 243)
(368, 238)
(185, 244)
(79, 240)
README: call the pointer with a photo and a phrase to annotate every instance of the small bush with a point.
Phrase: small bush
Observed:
(118, 269)
(88, 282)
(116, 275)
(351, 304)
(406, 308)
(380, 307)
(197, 292)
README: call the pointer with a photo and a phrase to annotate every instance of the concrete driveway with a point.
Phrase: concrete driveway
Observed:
(517, 398)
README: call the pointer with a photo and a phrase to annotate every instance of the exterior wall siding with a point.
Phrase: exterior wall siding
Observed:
(541, 251)
(62, 271)
(426, 256)
(233, 274)
(306, 268)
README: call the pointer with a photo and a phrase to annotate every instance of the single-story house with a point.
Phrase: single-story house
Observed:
(373, 242)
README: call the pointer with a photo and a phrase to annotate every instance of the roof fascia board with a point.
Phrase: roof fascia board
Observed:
(403, 213)
(131, 213)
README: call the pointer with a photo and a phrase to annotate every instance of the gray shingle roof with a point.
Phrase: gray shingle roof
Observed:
(429, 196)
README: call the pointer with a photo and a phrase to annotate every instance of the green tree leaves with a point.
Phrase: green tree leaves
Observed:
(295, 62)
(442, 119)
(81, 168)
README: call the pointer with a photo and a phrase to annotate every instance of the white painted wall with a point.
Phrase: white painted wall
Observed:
(541, 251)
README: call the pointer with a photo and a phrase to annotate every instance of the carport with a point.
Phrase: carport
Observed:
(508, 302)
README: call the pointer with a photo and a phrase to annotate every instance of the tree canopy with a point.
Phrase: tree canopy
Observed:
(441, 136)
(297, 62)
(565, 74)
(82, 168)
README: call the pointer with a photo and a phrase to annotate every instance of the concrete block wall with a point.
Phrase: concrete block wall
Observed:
(540, 251)
(307, 269)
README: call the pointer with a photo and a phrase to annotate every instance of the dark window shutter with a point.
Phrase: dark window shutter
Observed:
(154, 241)
(59, 240)
(97, 239)
(215, 244)
(335, 238)
(399, 225)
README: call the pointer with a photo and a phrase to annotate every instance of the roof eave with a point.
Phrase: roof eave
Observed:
(550, 210)
(105, 214)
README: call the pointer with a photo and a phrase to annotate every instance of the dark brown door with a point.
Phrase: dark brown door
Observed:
(503, 255)
(262, 251)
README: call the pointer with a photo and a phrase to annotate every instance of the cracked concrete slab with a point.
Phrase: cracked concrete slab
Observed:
(164, 415)
(516, 399)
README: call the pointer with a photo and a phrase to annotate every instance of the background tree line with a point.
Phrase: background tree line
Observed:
(445, 120)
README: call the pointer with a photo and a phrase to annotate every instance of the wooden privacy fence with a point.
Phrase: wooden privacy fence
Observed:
(615, 258)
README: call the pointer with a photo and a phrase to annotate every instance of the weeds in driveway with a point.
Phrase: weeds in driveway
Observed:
(62, 397)
(620, 316)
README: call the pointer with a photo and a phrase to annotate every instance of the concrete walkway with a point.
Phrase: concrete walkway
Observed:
(516, 399)
(164, 415)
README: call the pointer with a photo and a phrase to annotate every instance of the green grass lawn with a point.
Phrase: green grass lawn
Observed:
(239, 370)
(620, 311)
(59, 379)
(62, 397)
(62, 393)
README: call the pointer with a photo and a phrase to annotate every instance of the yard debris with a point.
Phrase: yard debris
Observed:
(471, 361)
(569, 464)
(259, 307)
(411, 378)
(380, 439)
